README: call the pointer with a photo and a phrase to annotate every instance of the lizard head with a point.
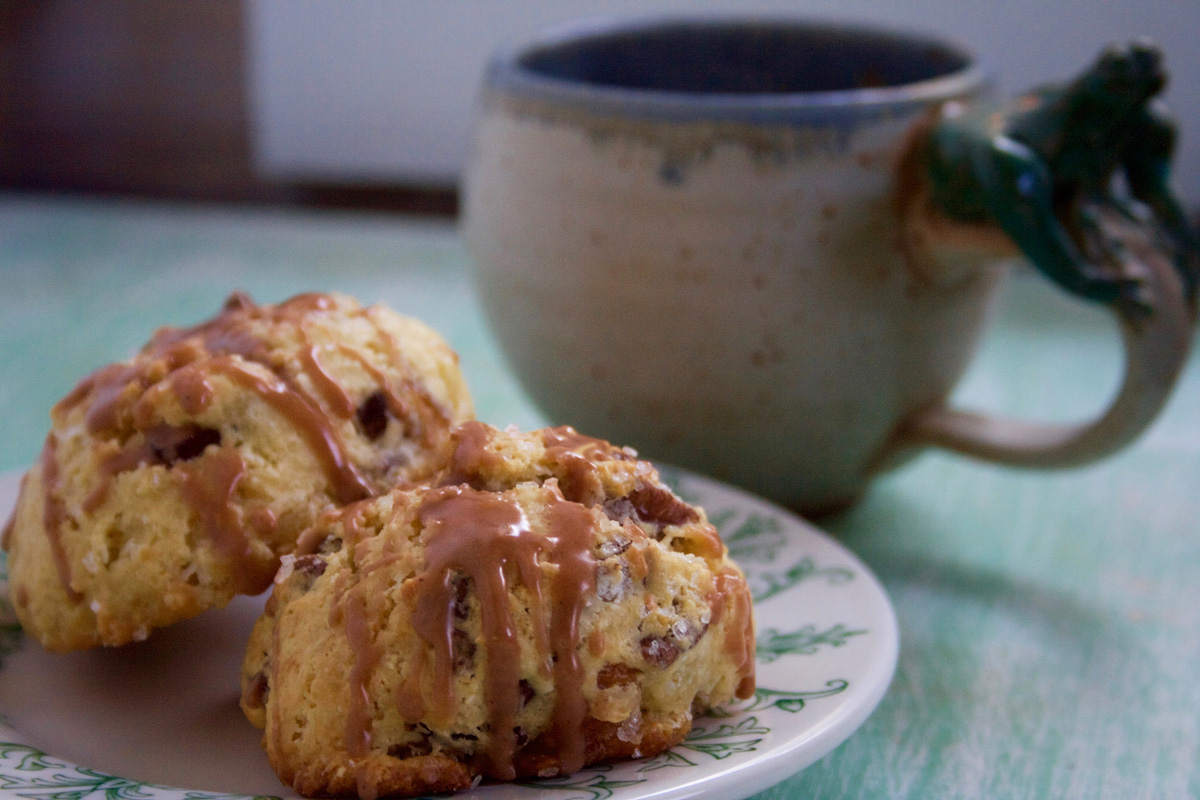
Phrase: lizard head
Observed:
(1125, 75)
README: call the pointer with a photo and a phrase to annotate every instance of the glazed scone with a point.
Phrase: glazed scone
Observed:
(547, 603)
(174, 481)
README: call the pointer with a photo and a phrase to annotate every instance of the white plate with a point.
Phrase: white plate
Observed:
(163, 713)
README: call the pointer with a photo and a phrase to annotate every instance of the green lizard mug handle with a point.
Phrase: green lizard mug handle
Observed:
(1076, 177)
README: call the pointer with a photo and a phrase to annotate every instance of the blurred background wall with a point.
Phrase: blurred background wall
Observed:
(368, 102)
(124, 96)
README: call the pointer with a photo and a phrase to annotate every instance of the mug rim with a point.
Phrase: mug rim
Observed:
(508, 75)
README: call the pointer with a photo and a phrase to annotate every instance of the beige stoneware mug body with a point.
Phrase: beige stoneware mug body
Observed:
(710, 240)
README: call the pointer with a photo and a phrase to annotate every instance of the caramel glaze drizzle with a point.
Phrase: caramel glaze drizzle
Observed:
(486, 536)
(400, 408)
(312, 423)
(208, 485)
(578, 455)
(565, 439)
(340, 403)
(366, 657)
(160, 444)
(53, 515)
(571, 524)
(180, 360)
(649, 501)
(732, 596)
(471, 458)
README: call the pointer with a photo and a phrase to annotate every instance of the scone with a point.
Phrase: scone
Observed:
(174, 481)
(544, 604)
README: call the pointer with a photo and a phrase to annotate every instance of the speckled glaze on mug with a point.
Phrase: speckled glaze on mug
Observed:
(717, 278)
(709, 239)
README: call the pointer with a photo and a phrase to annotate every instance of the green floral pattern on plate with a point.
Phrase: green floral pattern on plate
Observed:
(28, 772)
(772, 644)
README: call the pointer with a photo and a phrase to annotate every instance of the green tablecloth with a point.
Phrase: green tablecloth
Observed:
(1050, 623)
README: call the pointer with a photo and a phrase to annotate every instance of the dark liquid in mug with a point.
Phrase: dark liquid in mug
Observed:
(768, 57)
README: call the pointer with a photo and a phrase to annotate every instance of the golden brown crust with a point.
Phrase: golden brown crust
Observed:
(609, 741)
(380, 775)
(377, 775)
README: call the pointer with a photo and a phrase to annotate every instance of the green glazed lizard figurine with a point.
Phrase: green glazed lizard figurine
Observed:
(1044, 168)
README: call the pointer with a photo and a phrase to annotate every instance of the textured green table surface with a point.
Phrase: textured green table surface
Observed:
(1050, 623)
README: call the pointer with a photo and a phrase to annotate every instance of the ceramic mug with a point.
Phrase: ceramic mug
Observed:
(716, 240)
